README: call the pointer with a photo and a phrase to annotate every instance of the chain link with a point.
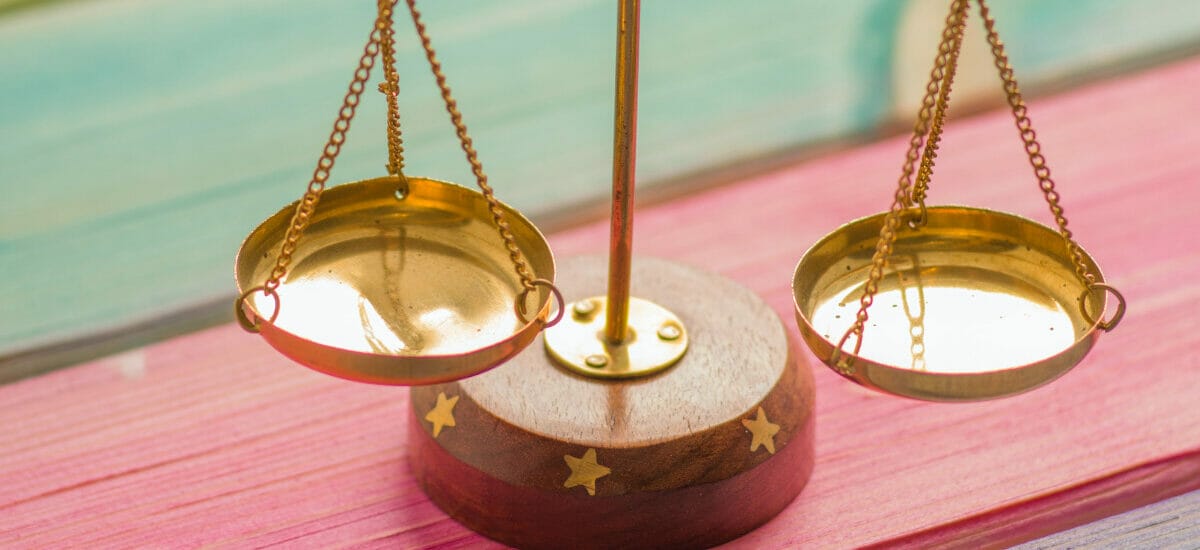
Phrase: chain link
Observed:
(922, 127)
(925, 172)
(951, 44)
(1032, 148)
(390, 88)
(514, 252)
(312, 195)
(382, 41)
(940, 83)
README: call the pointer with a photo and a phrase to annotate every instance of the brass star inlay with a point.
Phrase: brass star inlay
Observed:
(585, 471)
(763, 430)
(442, 414)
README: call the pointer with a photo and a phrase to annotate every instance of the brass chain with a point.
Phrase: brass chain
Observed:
(922, 126)
(390, 88)
(308, 203)
(925, 172)
(1032, 148)
(941, 79)
(951, 45)
(514, 252)
(381, 42)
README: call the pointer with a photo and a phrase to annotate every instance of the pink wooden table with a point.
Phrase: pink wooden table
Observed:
(213, 439)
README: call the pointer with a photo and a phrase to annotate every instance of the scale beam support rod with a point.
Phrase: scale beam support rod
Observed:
(620, 336)
(620, 250)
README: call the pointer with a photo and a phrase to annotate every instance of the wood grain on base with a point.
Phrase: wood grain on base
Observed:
(678, 466)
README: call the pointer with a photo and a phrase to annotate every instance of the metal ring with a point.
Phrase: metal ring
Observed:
(1116, 318)
(519, 307)
(920, 220)
(402, 189)
(845, 365)
(239, 309)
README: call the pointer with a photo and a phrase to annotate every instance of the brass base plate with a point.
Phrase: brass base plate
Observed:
(655, 340)
(976, 304)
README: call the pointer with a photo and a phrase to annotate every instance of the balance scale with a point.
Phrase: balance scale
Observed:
(662, 406)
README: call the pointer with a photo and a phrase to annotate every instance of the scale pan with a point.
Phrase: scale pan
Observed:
(975, 305)
(397, 289)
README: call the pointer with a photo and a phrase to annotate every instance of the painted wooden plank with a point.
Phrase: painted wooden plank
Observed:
(140, 140)
(1173, 523)
(213, 439)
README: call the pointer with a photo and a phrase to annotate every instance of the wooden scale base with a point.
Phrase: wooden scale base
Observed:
(535, 456)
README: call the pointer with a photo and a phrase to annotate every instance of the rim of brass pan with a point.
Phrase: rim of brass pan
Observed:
(976, 304)
(397, 284)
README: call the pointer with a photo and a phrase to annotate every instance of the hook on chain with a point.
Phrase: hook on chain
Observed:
(920, 219)
(521, 310)
(1099, 321)
(249, 320)
(843, 363)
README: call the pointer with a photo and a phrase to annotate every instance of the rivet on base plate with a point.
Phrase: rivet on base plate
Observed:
(583, 308)
(579, 343)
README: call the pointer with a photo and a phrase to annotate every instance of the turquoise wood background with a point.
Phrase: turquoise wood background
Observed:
(140, 140)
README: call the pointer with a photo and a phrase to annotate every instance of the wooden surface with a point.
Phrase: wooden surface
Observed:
(689, 455)
(214, 439)
(140, 140)
(1171, 524)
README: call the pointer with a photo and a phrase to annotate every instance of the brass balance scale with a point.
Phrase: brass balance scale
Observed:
(680, 417)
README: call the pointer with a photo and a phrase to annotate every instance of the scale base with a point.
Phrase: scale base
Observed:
(533, 455)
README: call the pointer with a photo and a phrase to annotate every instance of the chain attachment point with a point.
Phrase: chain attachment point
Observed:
(1110, 324)
(521, 310)
(514, 251)
(842, 363)
(244, 319)
(401, 187)
(920, 219)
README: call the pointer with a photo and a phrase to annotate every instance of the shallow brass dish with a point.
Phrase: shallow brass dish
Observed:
(404, 289)
(975, 305)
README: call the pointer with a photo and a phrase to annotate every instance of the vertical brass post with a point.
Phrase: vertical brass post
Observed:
(624, 164)
(620, 336)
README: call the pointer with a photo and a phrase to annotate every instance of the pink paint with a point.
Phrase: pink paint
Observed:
(223, 442)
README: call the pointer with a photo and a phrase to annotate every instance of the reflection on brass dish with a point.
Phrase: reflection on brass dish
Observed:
(391, 290)
(976, 304)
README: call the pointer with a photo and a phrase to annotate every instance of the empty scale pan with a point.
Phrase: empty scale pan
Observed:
(976, 304)
(953, 303)
(396, 280)
(397, 288)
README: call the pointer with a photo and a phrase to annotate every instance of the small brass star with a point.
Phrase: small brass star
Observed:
(442, 414)
(585, 471)
(764, 432)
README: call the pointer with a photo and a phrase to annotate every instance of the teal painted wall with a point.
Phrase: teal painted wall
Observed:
(140, 140)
